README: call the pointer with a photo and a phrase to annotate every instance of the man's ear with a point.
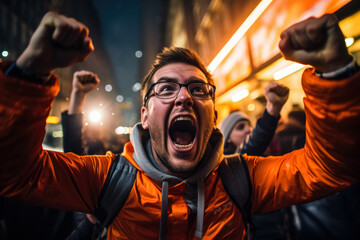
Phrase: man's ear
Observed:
(144, 116)
(215, 118)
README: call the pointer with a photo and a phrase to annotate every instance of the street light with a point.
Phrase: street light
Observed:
(5, 53)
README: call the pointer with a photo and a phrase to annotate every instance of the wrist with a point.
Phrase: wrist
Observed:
(334, 66)
(15, 71)
(29, 64)
(77, 94)
(77, 99)
(273, 110)
(344, 72)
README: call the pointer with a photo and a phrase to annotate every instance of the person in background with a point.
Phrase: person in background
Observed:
(73, 139)
(91, 142)
(72, 120)
(291, 135)
(177, 147)
(239, 136)
(334, 217)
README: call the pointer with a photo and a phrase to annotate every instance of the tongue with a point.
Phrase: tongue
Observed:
(182, 138)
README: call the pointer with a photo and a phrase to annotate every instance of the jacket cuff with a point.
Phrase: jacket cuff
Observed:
(25, 91)
(344, 72)
(330, 91)
(15, 71)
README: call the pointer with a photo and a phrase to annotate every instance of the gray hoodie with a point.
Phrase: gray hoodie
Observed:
(195, 197)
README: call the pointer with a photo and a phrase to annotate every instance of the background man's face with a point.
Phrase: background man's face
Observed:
(179, 128)
(240, 132)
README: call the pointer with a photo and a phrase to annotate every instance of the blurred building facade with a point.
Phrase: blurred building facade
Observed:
(19, 20)
(238, 42)
(241, 69)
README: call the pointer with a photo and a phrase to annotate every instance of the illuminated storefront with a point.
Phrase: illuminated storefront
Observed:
(243, 68)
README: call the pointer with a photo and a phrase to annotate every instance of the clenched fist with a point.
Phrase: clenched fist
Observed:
(276, 95)
(316, 41)
(57, 42)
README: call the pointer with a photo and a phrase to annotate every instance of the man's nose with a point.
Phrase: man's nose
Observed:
(184, 97)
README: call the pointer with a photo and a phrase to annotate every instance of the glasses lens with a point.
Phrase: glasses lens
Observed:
(166, 89)
(201, 90)
(171, 89)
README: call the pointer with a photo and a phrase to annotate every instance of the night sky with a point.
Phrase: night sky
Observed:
(120, 22)
(122, 25)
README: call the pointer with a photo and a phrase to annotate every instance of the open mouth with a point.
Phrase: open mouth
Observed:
(182, 132)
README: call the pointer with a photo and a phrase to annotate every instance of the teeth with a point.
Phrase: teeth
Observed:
(183, 118)
(182, 146)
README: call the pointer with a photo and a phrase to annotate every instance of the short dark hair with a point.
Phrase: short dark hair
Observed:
(174, 55)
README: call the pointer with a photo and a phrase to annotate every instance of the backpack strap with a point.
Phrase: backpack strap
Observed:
(235, 177)
(116, 189)
(233, 172)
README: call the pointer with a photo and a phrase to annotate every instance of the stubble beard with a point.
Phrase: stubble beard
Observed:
(189, 169)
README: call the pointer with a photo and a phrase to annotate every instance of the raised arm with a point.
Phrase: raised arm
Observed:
(57, 42)
(72, 120)
(329, 161)
(27, 172)
(276, 95)
(83, 83)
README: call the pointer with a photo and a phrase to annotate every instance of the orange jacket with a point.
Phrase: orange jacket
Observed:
(328, 163)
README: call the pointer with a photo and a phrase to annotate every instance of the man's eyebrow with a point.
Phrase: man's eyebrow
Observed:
(169, 79)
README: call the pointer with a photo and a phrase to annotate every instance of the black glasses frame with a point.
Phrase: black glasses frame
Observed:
(147, 96)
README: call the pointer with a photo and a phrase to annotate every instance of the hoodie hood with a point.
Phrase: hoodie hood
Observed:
(227, 125)
(195, 194)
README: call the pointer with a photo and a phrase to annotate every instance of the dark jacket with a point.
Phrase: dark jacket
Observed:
(73, 141)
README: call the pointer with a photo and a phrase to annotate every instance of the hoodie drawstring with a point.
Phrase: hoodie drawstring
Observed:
(164, 207)
(199, 212)
(200, 208)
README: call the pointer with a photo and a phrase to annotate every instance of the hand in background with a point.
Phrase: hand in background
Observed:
(276, 95)
(83, 83)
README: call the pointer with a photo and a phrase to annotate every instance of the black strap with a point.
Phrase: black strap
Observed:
(235, 177)
(116, 189)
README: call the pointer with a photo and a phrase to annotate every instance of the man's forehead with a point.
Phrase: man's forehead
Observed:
(179, 72)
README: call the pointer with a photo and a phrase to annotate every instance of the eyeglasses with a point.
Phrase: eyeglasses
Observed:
(168, 90)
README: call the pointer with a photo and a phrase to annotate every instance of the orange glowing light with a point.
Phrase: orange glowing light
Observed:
(52, 120)
(239, 34)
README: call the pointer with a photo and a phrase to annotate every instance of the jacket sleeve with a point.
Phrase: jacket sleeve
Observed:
(73, 139)
(262, 135)
(329, 161)
(27, 172)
